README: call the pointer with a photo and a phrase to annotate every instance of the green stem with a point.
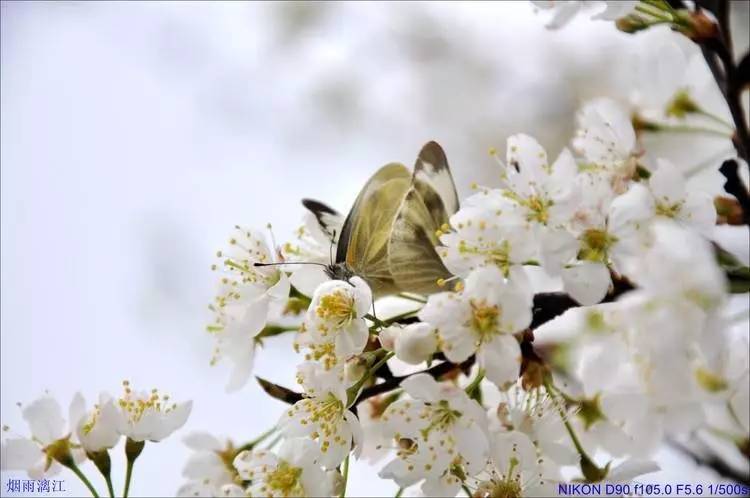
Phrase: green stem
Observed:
(416, 299)
(110, 489)
(648, 10)
(466, 490)
(353, 391)
(576, 442)
(689, 129)
(128, 475)
(389, 321)
(252, 444)
(74, 468)
(346, 477)
(475, 383)
(102, 462)
(715, 119)
(132, 450)
(399, 493)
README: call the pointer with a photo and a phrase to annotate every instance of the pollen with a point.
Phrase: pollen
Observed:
(338, 307)
(485, 319)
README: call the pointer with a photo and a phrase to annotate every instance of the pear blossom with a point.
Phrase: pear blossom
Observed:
(325, 419)
(441, 435)
(516, 469)
(243, 301)
(149, 416)
(98, 429)
(536, 415)
(413, 343)
(479, 235)
(607, 141)
(608, 241)
(482, 319)
(294, 472)
(335, 324)
(672, 199)
(209, 469)
(51, 442)
(544, 193)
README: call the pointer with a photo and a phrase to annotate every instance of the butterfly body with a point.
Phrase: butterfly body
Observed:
(389, 236)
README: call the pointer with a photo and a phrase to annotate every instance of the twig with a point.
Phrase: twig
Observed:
(712, 462)
(734, 186)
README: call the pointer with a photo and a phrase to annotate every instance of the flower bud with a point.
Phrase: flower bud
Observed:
(632, 24)
(387, 337)
(416, 343)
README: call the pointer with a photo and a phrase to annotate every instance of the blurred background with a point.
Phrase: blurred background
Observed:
(135, 135)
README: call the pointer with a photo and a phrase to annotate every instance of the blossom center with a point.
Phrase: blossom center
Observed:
(442, 418)
(485, 319)
(285, 479)
(538, 209)
(508, 488)
(668, 210)
(595, 245)
(495, 254)
(326, 415)
(137, 407)
(337, 307)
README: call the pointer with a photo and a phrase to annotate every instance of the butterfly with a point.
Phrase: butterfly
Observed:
(389, 237)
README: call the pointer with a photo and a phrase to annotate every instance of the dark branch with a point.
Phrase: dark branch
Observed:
(718, 53)
(712, 462)
(734, 186)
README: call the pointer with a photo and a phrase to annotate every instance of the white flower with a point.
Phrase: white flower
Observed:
(543, 193)
(49, 444)
(482, 319)
(543, 196)
(565, 10)
(692, 209)
(335, 320)
(609, 241)
(149, 416)
(98, 429)
(535, 414)
(516, 469)
(607, 140)
(241, 306)
(481, 236)
(325, 419)
(414, 343)
(680, 265)
(440, 434)
(294, 472)
(209, 468)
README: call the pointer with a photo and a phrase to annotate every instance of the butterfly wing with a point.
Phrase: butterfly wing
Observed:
(434, 182)
(329, 220)
(430, 201)
(363, 244)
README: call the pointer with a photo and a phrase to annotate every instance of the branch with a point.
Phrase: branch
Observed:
(718, 50)
(712, 462)
(734, 186)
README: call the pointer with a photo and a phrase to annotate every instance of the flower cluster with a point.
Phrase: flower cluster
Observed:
(475, 388)
(89, 433)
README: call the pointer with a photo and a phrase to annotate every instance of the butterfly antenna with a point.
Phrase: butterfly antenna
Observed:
(290, 263)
